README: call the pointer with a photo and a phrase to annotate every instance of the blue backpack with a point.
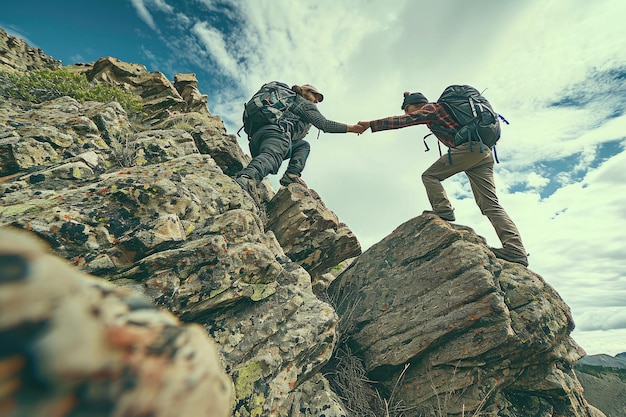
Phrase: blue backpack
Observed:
(267, 106)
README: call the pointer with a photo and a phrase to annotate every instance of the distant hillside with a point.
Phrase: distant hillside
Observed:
(604, 379)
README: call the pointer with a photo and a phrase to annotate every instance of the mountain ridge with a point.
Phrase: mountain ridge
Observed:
(604, 360)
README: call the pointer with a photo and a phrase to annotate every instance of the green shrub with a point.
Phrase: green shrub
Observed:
(44, 84)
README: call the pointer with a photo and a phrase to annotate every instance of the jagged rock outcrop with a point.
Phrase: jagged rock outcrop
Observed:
(449, 328)
(187, 87)
(17, 55)
(155, 211)
(75, 345)
(160, 97)
(308, 231)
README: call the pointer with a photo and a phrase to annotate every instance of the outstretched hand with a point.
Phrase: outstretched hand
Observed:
(359, 127)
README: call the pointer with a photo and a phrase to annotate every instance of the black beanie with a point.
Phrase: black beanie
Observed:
(414, 98)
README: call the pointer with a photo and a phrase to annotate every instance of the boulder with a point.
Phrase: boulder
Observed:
(444, 326)
(308, 231)
(187, 87)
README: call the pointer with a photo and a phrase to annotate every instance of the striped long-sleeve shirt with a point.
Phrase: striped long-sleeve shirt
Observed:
(304, 113)
(433, 115)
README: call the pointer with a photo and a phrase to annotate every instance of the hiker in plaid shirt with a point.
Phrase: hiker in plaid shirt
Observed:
(476, 161)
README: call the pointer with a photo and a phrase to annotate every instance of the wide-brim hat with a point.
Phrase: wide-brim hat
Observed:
(320, 96)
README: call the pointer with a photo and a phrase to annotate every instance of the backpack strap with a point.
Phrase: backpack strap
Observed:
(285, 125)
(245, 116)
(495, 154)
(425, 144)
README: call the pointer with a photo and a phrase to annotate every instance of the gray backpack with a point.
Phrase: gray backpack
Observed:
(268, 106)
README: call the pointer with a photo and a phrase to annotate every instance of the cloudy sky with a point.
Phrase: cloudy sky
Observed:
(555, 69)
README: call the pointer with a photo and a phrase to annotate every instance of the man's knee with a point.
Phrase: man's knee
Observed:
(428, 178)
(492, 211)
(275, 145)
(300, 150)
(302, 145)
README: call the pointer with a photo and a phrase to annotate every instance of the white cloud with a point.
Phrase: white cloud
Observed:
(603, 319)
(142, 8)
(214, 43)
(161, 5)
(610, 342)
(535, 180)
(144, 14)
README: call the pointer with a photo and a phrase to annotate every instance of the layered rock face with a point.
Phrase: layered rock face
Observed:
(447, 327)
(160, 97)
(164, 289)
(17, 55)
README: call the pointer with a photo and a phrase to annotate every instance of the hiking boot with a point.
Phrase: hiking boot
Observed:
(248, 184)
(502, 253)
(448, 216)
(289, 178)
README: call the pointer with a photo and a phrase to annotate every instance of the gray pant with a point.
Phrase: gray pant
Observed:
(478, 166)
(269, 147)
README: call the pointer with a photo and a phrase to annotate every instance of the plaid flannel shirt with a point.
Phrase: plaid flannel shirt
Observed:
(431, 114)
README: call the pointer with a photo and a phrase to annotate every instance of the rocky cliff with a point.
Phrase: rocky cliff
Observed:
(17, 55)
(121, 239)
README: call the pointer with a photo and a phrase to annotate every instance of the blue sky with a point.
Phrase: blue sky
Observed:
(554, 69)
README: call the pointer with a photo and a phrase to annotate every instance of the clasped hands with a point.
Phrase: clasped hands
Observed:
(359, 128)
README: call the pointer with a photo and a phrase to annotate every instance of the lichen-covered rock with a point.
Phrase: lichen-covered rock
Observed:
(122, 215)
(314, 398)
(160, 97)
(151, 213)
(308, 231)
(187, 87)
(211, 138)
(71, 344)
(275, 345)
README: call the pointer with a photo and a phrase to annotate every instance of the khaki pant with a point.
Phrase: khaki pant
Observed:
(478, 166)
